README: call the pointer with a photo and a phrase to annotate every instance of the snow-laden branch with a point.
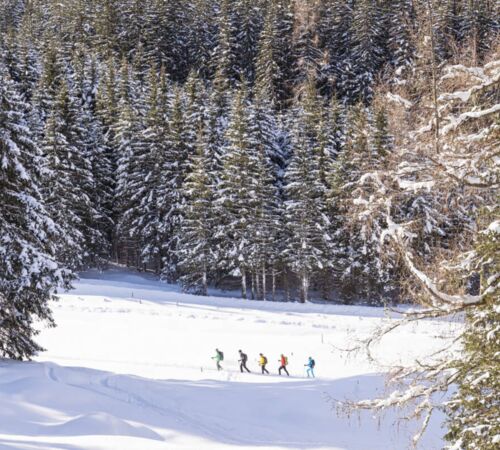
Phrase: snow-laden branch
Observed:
(444, 302)
(457, 121)
(465, 96)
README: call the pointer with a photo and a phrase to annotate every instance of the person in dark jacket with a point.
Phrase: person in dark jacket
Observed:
(283, 363)
(243, 361)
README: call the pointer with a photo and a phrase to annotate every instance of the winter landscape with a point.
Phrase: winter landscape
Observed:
(129, 367)
(249, 224)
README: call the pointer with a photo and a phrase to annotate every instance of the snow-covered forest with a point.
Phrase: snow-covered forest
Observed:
(212, 141)
(337, 150)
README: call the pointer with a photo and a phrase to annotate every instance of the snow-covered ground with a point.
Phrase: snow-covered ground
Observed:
(129, 367)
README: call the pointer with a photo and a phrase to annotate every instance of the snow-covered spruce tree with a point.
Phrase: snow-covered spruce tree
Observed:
(203, 41)
(462, 168)
(128, 144)
(63, 197)
(175, 170)
(367, 47)
(478, 27)
(225, 55)
(236, 193)
(250, 22)
(29, 271)
(401, 36)
(196, 251)
(307, 240)
(359, 257)
(268, 76)
(267, 217)
(308, 56)
(146, 182)
(474, 409)
(335, 28)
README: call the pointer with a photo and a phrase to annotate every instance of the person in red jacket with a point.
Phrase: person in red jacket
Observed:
(284, 362)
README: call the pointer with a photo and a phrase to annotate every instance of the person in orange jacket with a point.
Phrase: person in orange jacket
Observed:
(284, 362)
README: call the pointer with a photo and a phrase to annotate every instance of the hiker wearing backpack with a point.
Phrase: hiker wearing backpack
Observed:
(219, 356)
(262, 363)
(310, 367)
(284, 362)
(243, 361)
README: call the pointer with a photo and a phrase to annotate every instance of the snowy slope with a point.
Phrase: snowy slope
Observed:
(129, 367)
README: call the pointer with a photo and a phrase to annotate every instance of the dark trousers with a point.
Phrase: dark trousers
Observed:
(283, 368)
(264, 370)
(243, 365)
(219, 367)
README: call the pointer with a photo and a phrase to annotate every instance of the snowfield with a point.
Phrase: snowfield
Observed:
(129, 367)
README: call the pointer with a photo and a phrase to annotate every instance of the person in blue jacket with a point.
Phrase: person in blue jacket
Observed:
(310, 367)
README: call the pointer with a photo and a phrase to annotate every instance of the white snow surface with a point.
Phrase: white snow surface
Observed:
(129, 367)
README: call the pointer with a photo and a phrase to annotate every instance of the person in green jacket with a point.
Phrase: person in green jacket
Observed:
(219, 356)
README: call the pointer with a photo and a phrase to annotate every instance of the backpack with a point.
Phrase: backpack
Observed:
(265, 360)
(286, 360)
(313, 363)
(221, 355)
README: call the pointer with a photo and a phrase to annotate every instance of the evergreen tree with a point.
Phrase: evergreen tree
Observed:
(29, 271)
(367, 47)
(238, 191)
(473, 410)
(69, 182)
(175, 172)
(225, 55)
(400, 36)
(196, 251)
(144, 213)
(128, 145)
(307, 224)
(306, 42)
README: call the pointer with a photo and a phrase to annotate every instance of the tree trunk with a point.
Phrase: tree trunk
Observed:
(263, 281)
(257, 285)
(274, 284)
(243, 283)
(204, 280)
(286, 283)
(430, 7)
(304, 287)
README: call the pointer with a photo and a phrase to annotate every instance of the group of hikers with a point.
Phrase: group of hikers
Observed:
(219, 356)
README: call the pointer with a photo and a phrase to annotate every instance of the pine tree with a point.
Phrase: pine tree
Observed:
(29, 271)
(400, 40)
(367, 47)
(473, 409)
(268, 76)
(335, 34)
(238, 191)
(306, 43)
(307, 243)
(225, 55)
(368, 142)
(250, 23)
(175, 172)
(128, 145)
(203, 41)
(147, 210)
(196, 251)
(69, 182)
(478, 21)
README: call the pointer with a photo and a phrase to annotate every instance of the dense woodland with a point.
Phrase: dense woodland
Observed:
(344, 148)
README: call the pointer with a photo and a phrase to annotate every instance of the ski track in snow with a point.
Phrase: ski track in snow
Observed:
(129, 367)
